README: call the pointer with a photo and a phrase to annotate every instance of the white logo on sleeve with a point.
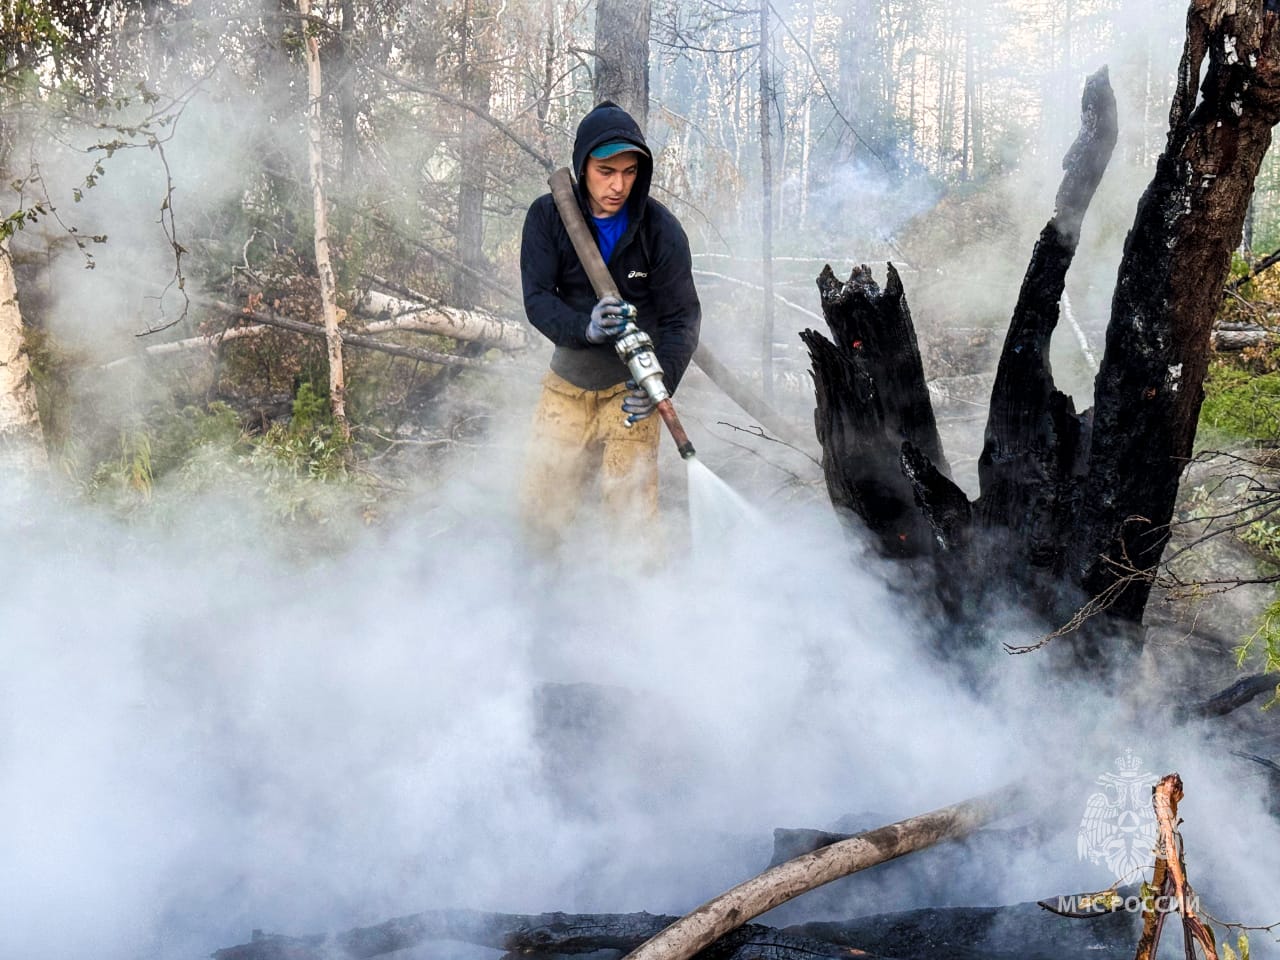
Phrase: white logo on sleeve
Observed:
(637, 273)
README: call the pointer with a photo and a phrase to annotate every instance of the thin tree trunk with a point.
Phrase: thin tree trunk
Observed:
(549, 57)
(347, 93)
(622, 56)
(806, 121)
(476, 88)
(328, 286)
(766, 208)
(21, 438)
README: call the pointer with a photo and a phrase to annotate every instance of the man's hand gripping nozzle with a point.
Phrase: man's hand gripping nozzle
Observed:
(635, 349)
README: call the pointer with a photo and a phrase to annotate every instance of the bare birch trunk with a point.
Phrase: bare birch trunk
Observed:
(328, 288)
(21, 438)
(766, 208)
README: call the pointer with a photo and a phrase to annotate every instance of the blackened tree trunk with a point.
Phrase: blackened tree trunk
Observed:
(1034, 441)
(1081, 500)
(1149, 388)
(872, 400)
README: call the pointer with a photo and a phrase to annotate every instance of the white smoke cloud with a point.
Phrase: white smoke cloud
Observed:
(197, 742)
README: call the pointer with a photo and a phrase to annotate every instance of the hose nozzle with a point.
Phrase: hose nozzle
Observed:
(635, 349)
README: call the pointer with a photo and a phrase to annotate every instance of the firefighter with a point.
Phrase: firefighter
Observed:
(590, 420)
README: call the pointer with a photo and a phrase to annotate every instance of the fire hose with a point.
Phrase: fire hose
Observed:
(633, 346)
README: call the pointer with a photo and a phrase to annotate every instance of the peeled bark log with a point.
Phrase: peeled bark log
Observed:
(356, 340)
(475, 326)
(1169, 880)
(697, 930)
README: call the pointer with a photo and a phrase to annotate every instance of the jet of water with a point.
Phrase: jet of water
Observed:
(715, 508)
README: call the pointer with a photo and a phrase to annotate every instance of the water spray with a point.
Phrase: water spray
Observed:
(633, 345)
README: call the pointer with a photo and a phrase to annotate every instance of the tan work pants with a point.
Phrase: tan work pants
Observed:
(577, 436)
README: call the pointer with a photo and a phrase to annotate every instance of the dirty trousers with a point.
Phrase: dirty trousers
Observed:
(577, 436)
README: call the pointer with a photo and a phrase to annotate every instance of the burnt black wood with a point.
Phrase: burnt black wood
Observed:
(1032, 457)
(546, 934)
(871, 398)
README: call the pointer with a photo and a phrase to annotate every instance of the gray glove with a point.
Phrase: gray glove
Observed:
(608, 317)
(637, 404)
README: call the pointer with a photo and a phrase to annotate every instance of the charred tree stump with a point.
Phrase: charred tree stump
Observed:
(1081, 501)
(872, 398)
(1033, 448)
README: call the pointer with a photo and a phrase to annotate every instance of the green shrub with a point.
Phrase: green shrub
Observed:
(1239, 407)
(1265, 643)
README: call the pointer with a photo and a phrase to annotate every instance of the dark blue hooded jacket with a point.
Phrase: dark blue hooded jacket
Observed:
(650, 265)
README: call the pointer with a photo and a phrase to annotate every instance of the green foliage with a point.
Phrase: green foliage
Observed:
(311, 411)
(1264, 644)
(132, 470)
(1242, 944)
(297, 472)
(1239, 407)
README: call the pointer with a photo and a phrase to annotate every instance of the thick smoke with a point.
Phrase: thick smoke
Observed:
(198, 742)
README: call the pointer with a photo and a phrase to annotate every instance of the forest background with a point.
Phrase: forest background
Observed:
(208, 617)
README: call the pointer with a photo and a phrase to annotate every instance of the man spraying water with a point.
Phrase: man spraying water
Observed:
(618, 358)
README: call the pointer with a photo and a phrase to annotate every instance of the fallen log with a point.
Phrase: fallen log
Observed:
(715, 918)
(471, 325)
(1266, 263)
(1231, 339)
(355, 339)
(791, 842)
(546, 934)
(265, 321)
(1243, 691)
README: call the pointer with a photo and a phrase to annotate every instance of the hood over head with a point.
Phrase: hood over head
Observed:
(609, 123)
